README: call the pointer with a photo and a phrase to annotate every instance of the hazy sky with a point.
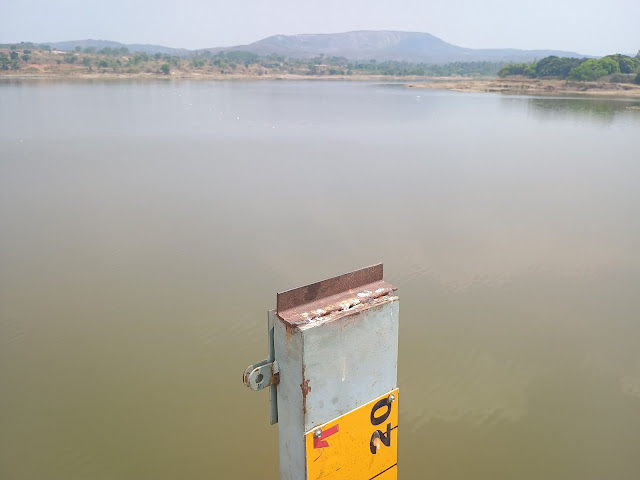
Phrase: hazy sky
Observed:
(585, 26)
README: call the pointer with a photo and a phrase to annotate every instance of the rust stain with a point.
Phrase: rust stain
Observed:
(304, 386)
(332, 308)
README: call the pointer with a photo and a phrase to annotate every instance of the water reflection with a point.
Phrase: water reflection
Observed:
(598, 109)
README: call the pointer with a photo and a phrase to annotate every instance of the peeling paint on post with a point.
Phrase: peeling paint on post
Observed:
(334, 349)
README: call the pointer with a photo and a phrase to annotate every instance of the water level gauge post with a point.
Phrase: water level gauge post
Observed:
(332, 373)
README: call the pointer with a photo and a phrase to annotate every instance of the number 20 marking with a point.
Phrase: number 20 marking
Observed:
(382, 437)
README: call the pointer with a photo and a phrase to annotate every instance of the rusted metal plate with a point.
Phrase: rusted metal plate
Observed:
(333, 297)
(360, 445)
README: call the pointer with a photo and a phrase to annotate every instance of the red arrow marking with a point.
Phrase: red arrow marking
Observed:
(319, 442)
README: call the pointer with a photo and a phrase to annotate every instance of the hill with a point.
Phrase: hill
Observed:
(412, 47)
(366, 45)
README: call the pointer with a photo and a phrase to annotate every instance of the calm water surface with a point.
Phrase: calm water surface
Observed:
(146, 227)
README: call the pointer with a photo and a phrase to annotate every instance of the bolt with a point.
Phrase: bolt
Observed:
(392, 398)
(317, 433)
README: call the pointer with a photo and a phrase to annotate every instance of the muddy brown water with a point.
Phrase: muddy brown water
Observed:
(145, 228)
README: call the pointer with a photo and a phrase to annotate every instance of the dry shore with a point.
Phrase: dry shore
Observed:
(527, 86)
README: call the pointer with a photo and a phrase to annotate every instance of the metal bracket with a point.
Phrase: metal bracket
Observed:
(266, 373)
(261, 375)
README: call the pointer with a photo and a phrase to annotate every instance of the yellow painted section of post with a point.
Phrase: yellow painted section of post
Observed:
(360, 445)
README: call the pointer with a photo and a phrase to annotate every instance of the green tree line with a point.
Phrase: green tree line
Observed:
(619, 67)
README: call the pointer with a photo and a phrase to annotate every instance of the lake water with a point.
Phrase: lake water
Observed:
(145, 228)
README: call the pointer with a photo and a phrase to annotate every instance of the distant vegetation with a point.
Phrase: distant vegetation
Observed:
(618, 68)
(35, 58)
(399, 69)
(38, 58)
(29, 58)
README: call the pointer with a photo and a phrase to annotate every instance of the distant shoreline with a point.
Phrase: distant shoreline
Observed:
(208, 76)
(537, 87)
(519, 86)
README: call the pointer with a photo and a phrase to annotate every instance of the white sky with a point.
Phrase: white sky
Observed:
(584, 26)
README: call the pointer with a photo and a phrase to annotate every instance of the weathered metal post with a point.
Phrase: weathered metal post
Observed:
(332, 372)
